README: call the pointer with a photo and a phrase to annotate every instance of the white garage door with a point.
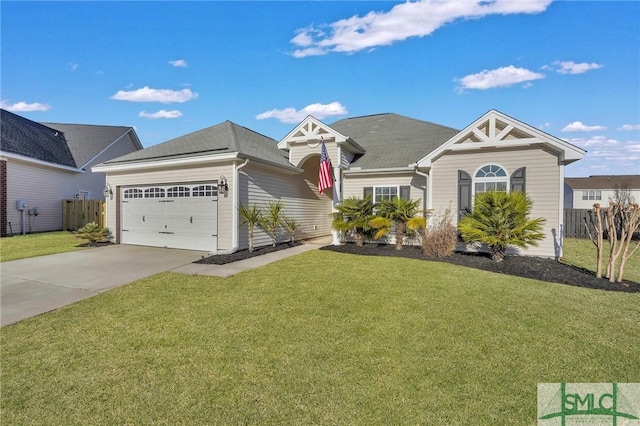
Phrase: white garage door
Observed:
(181, 216)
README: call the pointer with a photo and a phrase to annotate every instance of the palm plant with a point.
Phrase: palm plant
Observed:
(500, 219)
(272, 220)
(92, 232)
(290, 225)
(398, 212)
(252, 216)
(352, 216)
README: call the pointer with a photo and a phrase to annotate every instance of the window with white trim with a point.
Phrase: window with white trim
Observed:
(592, 195)
(178, 191)
(133, 193)
(205, 191)
(490, 178)
(384, 193)
(154, 193)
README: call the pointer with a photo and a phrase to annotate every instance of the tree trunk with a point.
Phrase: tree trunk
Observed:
(399, 235)
(631, 225)
(359, 239)
(250, 238)
(599, 240)
(497, 253)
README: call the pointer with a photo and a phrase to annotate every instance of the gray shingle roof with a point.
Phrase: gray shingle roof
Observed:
(223, 138)
(86, 141)
(34, 140)
(604, 182)
(392, 140)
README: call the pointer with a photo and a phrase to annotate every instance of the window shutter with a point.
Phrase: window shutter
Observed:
(405, 193)
(518, 179)
(367, 190)
(464, 193)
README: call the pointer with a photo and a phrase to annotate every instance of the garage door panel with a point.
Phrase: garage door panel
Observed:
(183, 216)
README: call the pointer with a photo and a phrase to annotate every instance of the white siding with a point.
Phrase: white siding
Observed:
(41, 187)
(46, 187)
(542, 185)
(298, 193)
(606, 195)
(301, 151)
(353, 186)
(178, 175)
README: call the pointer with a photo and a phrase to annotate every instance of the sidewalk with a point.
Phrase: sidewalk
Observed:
(255, 262)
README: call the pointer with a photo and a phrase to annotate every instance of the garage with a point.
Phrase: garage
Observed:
(183, 216)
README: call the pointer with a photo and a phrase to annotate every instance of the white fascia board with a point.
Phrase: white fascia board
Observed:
(289, 139)
(389, 170)
(41, 163)
(274, 166)
(164, 163)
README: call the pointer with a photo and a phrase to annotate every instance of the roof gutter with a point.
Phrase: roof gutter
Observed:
(125, 167)
(389, 170)
(40, 162)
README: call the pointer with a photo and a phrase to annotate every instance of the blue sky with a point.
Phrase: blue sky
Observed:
(570, 68)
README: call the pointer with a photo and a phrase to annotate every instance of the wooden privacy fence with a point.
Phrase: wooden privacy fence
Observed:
(77, 213)
(574, 223)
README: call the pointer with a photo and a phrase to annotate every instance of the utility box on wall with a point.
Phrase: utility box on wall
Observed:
(21, 205)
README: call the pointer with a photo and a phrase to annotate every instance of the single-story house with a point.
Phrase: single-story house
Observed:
(584, 192)
(184, 193)
(42, 164)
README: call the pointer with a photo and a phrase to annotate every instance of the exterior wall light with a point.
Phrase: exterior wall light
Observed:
(108, 192)
(223, 186)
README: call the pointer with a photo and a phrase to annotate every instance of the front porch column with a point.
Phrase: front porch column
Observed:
(337, 195)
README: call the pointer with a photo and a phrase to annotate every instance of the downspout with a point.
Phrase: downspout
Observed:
(234, 217)
(425, 201)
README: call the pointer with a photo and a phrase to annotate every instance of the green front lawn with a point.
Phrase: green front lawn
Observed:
(32, 245)
(320, 338)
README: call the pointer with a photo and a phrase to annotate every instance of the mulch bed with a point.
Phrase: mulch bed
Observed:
(221, 259)
(537, 268)
(96, 244)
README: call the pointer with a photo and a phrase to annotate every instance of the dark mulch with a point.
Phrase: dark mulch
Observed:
(221, 259)
(537, 268)
(96, 244)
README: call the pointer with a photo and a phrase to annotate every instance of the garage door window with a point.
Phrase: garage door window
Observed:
(154, 193)
(205, 191)
(178, 191)
(133, 193)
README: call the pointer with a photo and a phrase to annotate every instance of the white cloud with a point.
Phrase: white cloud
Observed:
(179, 63)
(291, 115)
(629, 127)
(607, 155)
(500, 77)
(578, 126)
(570, 67)
(147, 94)
(160, 114)
(409, 19)
(24, 107)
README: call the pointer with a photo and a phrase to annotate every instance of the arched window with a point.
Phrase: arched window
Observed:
(133, 193)
(490, 178)
(154, 193)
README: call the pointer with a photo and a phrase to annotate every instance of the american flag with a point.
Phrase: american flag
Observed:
(324, 174)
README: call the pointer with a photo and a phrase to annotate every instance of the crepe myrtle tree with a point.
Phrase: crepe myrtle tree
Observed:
(501, 219)
(352, 217)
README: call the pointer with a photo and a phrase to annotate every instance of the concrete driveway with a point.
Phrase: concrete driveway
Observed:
(30, 287)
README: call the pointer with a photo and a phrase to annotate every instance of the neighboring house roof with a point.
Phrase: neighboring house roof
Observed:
(87, 141)
(223, 138)
(69, 145)
(392, 140)
(604, 182)
(34, 140)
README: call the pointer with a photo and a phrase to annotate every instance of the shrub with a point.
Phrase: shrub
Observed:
(352, 216)
(441, 239)
(398, 212)
(272, 220)
(92, 232)
(252, 216)
(499, 220)
(290, 225)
